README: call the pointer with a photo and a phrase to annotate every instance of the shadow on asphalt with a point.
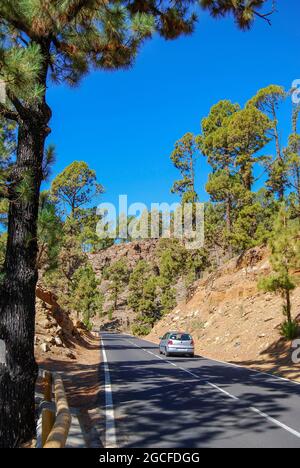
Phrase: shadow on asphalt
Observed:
(160, 405)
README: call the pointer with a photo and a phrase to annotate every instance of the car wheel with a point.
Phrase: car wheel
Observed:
(192, 355)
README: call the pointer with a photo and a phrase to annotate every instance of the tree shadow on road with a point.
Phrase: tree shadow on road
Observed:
(158, 405)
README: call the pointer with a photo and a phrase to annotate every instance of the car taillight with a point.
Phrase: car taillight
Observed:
(192, 342)
(170, 342)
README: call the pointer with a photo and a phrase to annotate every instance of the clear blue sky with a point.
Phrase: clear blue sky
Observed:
(124, 124)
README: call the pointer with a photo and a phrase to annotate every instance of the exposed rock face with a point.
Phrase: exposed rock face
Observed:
(232, 320)
(133, 252)
(56, 333)
(62, 318)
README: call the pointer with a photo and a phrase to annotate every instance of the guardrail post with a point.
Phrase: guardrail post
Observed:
(48, 420)
(59, 433)
(48, 387)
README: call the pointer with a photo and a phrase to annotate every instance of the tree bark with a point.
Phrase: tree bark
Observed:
(18, 283)
(281, 189)
(228, 223)
(288, 306)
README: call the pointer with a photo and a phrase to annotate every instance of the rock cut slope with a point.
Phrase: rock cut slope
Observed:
(231, 320)
(57, 335)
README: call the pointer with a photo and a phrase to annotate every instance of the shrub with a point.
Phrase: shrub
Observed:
(289, 330)
(141, 329)
(88, 324)
(110, 313)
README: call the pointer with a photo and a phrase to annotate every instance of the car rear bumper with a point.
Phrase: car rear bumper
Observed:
(174, 350)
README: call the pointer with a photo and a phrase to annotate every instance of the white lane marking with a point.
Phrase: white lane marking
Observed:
(188, 372)
(172, 363)
(275, 421)
(249, 369)
(110, 433)
(233, 397)
(150, 352)
(273, 376)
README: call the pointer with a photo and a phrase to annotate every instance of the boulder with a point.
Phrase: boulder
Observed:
(58, 341)
(45, 347)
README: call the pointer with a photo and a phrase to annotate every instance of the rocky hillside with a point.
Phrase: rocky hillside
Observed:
(232, 320)
(57, 334)
(133, 253)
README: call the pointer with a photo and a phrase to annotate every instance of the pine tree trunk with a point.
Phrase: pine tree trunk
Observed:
(247, 176)
(281, 189)
(228, 223)
(288, 306)
(17, 293)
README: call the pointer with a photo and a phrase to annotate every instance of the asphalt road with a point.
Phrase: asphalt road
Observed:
(2, 352)
(152, 401)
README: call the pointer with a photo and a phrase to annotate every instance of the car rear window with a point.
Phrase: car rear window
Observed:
(180, 337)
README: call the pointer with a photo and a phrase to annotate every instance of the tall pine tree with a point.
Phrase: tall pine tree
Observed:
(268, 101)
(214, 143)
(184, 158)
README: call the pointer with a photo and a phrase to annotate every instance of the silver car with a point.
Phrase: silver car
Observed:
(177, 343)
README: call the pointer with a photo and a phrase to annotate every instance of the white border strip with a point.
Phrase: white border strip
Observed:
(275, 421)
(110, 433)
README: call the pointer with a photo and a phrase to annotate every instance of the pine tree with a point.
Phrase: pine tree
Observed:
(176, 261)
(138, 278)
(3, 241)
(86, 298)
(268, 101)
(215, 146)
(215, 231)
(243, 11)
(149, 309)
(254, 221)
(231, 140)
(247, 135)
(7, 150)
(50, 234)
(293, 157)
(88, 220)
(118, 275)
(227, 187)
(184, 158)
(75, 186)
(71, 255)
(148, 306)
(285, 261)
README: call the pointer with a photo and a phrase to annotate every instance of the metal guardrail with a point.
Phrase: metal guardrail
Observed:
(55, 423)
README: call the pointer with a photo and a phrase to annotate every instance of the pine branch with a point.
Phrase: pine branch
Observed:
(74, 11)
(21, 111)
(265, 16)
(8, 113)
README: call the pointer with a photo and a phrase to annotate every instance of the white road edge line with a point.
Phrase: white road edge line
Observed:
(273, 376)
(275, 421)
(233, 397)
(223, 391)
(110, 429)
(229, 364)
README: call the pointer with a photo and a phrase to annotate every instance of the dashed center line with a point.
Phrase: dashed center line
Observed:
(224, 392)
